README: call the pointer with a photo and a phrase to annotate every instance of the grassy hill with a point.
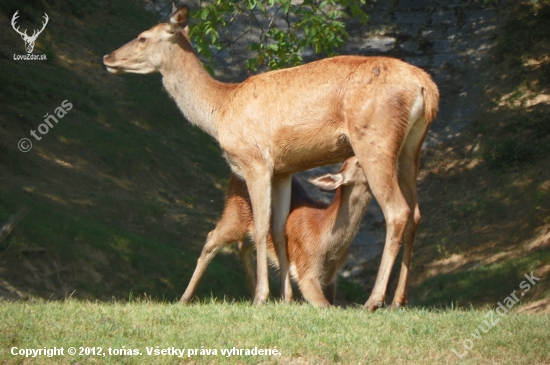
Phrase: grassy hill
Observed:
(121, 192)
(301, 334)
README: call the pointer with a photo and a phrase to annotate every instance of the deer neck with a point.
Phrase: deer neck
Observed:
(350, 203)
(199, 96)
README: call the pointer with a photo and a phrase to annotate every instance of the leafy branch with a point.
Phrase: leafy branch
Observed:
(276, 32)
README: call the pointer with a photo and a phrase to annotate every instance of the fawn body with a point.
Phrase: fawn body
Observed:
(318, 234)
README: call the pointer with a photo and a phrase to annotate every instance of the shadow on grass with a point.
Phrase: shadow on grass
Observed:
(485, 196)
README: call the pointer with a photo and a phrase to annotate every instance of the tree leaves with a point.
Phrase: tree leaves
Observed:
(282, 29)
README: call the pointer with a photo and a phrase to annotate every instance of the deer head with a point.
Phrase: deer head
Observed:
(29, 41)
(146, 53)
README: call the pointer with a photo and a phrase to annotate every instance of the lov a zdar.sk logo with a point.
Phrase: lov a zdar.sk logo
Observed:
(29, 40)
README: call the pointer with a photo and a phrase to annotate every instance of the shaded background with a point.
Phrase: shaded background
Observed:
(121, 193)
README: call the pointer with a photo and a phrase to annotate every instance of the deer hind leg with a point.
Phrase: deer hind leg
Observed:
(229, 229)
(246, 250)
(280, 210)
(377, 154)
(397, 213)
(409, 160)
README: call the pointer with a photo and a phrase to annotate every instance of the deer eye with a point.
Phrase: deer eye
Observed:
(142, 40)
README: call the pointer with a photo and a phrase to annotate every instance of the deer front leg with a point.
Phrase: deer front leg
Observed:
(232, 227)
(280, 210)
(330, 291)
(246, 249)
(312, 291)
(258, 183)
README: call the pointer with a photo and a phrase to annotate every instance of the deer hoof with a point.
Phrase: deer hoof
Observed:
(371, 306)
(185, 299)
(321, 304)
(397, 305)
(258, 302)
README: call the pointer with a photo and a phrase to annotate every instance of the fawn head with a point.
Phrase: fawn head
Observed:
(351, 173)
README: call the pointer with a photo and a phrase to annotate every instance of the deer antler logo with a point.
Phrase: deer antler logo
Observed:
(29, 41)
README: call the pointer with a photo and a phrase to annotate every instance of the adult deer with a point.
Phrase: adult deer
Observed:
(318, 234)
(277, 123)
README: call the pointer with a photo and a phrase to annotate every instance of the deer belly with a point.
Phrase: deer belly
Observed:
(297, 149)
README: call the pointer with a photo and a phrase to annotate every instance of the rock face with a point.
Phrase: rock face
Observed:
(451, 39)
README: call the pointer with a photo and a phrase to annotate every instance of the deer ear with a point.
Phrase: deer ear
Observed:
(328, 181)
(178, 20)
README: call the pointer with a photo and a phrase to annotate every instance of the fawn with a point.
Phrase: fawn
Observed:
(318, 234)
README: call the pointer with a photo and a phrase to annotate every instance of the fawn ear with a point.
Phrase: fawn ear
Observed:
(178, 20)
(328, 181)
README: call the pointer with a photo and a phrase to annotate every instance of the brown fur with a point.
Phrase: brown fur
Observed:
(318, 234)
(274, 124)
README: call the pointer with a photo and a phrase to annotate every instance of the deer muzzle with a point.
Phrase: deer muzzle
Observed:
(108, 61)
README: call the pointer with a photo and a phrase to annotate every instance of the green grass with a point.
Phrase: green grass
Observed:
(123, 260)
(488, 216)
(301, 333)
(123, 191)
(520, 142)
(483, 284)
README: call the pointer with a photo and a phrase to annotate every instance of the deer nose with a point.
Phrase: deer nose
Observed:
(106, 56)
